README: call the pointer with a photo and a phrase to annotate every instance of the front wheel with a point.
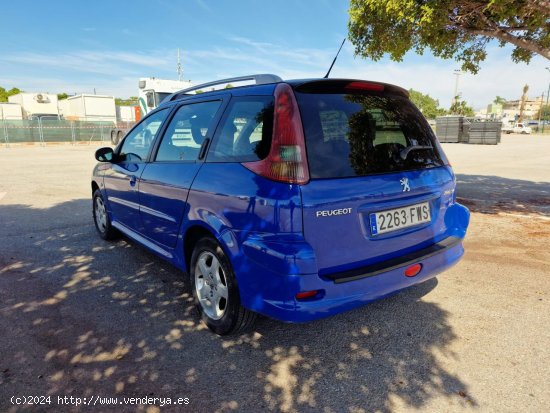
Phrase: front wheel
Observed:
(215, 290)
(101, 217)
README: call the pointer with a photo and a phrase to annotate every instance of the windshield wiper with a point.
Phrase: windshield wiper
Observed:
(405, 151)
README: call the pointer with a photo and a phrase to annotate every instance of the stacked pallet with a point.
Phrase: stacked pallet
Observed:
(448, 128)
(485, 133)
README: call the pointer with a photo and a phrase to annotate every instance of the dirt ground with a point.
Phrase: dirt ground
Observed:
(85, 318)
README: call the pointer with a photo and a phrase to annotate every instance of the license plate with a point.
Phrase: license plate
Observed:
(399, 218)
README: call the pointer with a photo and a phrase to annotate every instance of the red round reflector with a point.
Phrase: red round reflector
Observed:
(306, 294)
(413, 270)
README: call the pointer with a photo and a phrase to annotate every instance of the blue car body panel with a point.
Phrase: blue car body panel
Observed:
(276, 242)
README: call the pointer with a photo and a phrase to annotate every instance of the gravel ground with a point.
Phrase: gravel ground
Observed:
(86, 318)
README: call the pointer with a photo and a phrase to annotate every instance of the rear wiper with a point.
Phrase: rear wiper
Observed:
(405, 151)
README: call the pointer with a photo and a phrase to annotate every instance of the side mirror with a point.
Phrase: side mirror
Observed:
(105, 154)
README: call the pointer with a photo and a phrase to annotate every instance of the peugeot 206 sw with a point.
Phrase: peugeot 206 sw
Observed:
(293, 199)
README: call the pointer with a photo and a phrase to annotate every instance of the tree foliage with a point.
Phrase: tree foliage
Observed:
(62, 96)
(544, 112)
(460, 107)
(4, 94)
(457, 29)
(427, 105)
(499, 100)
(131, 101)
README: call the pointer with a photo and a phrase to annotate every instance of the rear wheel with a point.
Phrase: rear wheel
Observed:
(215, 290)
(101, 217)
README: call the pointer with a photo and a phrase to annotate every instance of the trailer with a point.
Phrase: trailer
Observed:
(90, 108)
(10, 111)
(36, 104)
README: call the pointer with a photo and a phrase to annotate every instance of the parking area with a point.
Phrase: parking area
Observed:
(91, 319)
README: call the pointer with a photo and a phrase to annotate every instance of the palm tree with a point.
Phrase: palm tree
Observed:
(523, 99)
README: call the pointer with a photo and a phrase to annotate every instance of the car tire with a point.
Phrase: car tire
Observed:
(114, 137)
(215, 290)
(101, 217)
(119, 136)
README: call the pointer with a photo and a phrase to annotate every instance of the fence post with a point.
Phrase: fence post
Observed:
(92, 136)
(6, 138)
(41, 133)
(73, 135)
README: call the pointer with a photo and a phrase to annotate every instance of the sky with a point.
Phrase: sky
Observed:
(78, 47)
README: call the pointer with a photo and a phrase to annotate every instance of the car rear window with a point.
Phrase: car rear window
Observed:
(357, 134)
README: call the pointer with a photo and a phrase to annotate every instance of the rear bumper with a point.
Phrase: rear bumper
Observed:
(274, 295)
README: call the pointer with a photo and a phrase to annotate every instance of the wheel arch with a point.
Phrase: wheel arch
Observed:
(95, 187)
(197, 230)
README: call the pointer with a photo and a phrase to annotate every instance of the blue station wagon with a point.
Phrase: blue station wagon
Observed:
(293, 199)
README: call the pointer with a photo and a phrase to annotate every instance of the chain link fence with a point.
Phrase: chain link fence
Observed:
(42, 131)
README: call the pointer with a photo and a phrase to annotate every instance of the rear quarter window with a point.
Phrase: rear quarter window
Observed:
(245, 130)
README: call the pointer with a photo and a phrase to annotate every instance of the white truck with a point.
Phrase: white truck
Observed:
(151, 92)
(36, 105)
(516, 128)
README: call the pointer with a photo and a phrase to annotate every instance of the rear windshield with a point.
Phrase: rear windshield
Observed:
(365, 133)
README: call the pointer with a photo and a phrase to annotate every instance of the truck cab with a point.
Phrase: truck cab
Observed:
(152, 91)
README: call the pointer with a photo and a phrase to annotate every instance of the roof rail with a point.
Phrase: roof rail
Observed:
(260, 79)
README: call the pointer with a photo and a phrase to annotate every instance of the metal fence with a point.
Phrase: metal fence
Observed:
(42, 131)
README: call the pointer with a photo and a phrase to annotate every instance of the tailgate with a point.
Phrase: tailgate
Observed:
(338, 215)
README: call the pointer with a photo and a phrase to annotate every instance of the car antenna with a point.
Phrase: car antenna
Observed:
(335, 57)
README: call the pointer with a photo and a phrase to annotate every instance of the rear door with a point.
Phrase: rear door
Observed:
(121, 179)
(379, 181)
(165, 182)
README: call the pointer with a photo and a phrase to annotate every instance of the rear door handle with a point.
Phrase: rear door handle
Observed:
(132, 180)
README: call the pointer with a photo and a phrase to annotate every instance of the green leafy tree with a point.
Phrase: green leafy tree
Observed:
(427, 105)
(499, 100)
(131, 101)
(460, 107)
(4, 94)
(62, 96)
(544, 112)
(457, 29)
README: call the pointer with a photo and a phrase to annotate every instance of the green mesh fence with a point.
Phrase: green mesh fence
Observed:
(47, 131)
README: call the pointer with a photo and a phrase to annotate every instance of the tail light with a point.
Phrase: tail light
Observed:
(286, 161)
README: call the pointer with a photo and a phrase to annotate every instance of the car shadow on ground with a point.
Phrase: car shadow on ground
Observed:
(89, 318)
(494, 194)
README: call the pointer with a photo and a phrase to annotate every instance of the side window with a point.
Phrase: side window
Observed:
(138, 142)
(186, 132)
(245, 131)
